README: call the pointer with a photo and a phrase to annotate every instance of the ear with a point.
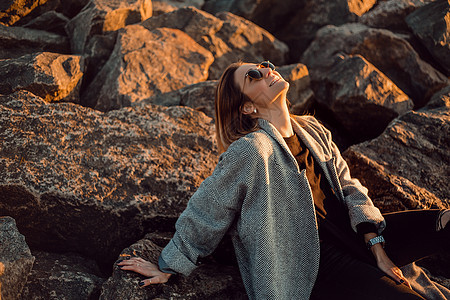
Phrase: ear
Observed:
(248, 108)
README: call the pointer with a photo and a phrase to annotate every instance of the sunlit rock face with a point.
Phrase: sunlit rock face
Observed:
(388, 52)
(407, 166)
(431, 25)
(16, 260)
(12, 11)
(105, 178)
(53, 77)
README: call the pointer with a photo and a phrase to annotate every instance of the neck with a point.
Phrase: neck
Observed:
(279, 117)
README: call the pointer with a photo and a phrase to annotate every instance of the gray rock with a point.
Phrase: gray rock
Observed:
(102, 16)
(430, 24)
(407, 166)
(62, 276)
(51, 21)
(390, 53)
(16, 260)
(229, 38)
(83, 181)
(209, 281)
(53, 77)
(18, 41)
(140, 67)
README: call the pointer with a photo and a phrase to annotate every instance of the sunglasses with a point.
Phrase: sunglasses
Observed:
(256, 73)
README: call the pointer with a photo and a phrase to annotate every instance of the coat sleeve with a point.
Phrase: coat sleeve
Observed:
(360, 207)
(210, 212)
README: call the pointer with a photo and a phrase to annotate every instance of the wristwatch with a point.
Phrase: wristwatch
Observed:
(375, 240)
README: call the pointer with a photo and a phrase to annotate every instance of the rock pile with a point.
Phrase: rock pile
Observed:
(106, 123)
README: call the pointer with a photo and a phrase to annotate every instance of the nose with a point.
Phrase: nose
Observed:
(265, 71)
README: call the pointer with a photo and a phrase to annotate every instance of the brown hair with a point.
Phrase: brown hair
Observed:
(231, 123)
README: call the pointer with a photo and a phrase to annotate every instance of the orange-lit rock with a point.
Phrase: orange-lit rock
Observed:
(102, 16)
(53, 77)
(106, 178)
(145, 63)
(390, 53)
(16, 260)
(13, 10)
(407, 166)
(361, 98)
(228, 37)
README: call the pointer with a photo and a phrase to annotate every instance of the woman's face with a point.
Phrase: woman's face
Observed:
(262, 92)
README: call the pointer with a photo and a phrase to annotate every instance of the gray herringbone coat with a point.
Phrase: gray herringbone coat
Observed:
(258, 194)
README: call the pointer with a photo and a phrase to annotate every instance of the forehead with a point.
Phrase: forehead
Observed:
(239, 74)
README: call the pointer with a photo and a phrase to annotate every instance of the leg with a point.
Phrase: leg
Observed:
(341, 276)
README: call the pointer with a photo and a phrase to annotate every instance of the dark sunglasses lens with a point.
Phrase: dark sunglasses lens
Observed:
(267, 64)
(254, 74)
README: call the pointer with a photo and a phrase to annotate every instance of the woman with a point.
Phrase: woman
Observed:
(283, 192)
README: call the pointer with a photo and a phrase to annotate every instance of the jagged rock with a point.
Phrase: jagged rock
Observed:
(300, 94)
(391, 14)
(140, 67)
(12, 11)
(62, 276)
(102, 16)
(209, 281)
(360, 97)
(229, 38)
(430, 24)
(388, 52)
(18, 41)
(199, 96)
(53, 77)
(50, 21)
(161, 7)
(407, 166)
(182, 3)
(16, 260)
(83, 181)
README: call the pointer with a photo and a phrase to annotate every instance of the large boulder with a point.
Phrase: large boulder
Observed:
(209, 281)
(53, 77)
(391, 54)
(145, 63)
(407, 166)
(51, 21)
(103, 16)
(62, 276)
(12, 11)
(18, 41)
(16, 260)
(229, 38)
(83, 181)
(431, 25)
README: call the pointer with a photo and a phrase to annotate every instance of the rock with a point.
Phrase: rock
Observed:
(83, 181)
(389, 53)
(140, 67)
(12, 11)
(300, 94)
(406, 167)
(199, 96)
(209, 281)
(53, 77)
(430, 24)
(18, 41)
(360, 97)
(62, 276)
(391, 14)
(228, 37)
(243, 8)
(16, 260)
(161, 7)
(102, 16)
(182, 3)
(51, 21)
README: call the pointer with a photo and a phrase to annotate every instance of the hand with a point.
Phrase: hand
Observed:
(145, 268)
(386, 265)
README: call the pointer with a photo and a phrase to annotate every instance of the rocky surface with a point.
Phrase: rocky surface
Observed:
(106, 178)
(16, 260)
(407, 166)
(430, 23)
(62, 276)
(53, 77)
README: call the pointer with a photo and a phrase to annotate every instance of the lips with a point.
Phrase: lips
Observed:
(275, 80)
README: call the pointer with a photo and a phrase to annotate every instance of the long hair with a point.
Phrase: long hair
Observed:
(231, 123)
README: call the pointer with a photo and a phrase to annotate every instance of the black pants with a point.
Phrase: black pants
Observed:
(346, 274)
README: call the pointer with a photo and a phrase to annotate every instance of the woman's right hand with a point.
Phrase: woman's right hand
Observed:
(146, 268)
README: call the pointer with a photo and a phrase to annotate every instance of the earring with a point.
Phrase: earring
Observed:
(254, 111)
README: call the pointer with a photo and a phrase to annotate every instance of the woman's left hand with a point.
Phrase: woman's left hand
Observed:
(386, 265)
(145, 268)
